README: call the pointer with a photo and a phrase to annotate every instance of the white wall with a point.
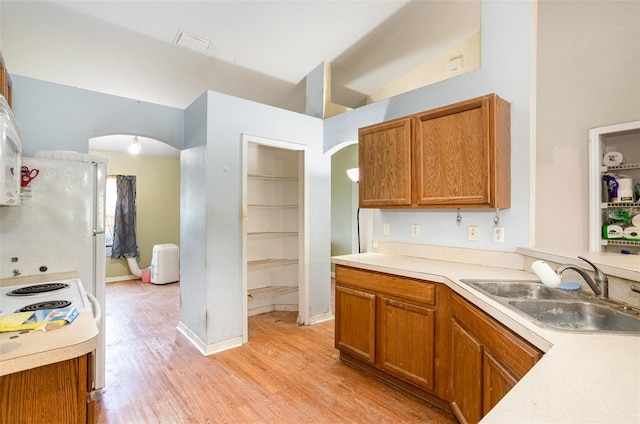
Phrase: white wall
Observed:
(218, 180)
(588, 76)
(507, 44)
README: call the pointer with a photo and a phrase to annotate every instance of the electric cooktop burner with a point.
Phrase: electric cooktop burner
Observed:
(48, 304)
(38, 288)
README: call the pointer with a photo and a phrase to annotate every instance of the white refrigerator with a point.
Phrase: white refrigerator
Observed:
(59, 227)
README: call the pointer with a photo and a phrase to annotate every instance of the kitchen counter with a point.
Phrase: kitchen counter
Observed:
(19, 352)
(583, 377)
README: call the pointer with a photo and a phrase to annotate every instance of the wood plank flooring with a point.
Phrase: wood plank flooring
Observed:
(285, 374)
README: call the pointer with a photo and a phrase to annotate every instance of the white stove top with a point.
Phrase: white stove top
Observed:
(73, 292)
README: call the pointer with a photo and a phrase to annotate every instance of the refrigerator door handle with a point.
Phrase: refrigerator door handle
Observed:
(95, 306)
(96, 232)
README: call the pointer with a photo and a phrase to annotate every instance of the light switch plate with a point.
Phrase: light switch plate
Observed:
(472, 233)
(415, 230)
(385, 229)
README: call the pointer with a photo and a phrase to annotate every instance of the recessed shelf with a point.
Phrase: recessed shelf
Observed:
(269, 292)
(618, 242)
(619, 205)
(625, 139)
(270, 177)
(271, 234)
(622, 167)
(260, 206)
(270, 263)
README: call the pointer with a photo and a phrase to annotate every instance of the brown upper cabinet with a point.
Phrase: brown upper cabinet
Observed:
(5, 82)
(455, 156)
(384, 153)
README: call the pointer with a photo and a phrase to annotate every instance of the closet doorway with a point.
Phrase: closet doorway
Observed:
(274, 245)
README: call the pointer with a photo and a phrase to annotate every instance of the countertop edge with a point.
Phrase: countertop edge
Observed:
(81, 338)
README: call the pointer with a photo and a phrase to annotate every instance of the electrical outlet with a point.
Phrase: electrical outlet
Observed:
(498, 234)
(385, 229)
(473, 233)
(415, 230)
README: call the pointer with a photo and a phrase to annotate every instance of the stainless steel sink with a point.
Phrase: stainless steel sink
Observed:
(519, 289)
(561, 309)
(579, 315)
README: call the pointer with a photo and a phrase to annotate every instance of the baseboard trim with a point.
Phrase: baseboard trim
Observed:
(317, 319)
(121, 278)
(207, 349)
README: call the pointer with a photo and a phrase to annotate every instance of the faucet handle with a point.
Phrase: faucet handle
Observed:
(599, 274)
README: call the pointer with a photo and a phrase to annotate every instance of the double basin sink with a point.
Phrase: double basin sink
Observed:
(561, 309)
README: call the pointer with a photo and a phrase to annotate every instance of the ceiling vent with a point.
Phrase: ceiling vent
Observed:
(191, 41)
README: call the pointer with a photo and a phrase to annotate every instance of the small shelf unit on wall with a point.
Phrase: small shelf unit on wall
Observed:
(625, 139)
(273, 217)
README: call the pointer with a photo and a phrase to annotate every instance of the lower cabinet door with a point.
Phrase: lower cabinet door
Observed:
(466, 384)
(53, 393)
(496, 381)
(356, 323)
(408, 342)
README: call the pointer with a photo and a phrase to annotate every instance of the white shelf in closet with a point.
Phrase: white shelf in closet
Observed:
(271, 235)
(270, 263)
(269, 292)
(270, 177)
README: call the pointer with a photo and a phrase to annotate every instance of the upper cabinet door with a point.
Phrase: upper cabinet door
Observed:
(384, 155)
(462, 155)
(456, 156)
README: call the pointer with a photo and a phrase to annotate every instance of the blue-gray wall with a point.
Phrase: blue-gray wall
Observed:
(55, 117)
(506, 69)
(212, 272)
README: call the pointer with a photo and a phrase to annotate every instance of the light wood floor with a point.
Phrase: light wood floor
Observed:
(285, 374)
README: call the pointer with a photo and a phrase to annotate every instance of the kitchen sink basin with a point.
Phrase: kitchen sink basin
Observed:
(519, 289)
(579, 315)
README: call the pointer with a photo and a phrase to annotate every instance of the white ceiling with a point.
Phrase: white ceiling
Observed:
(259, 50)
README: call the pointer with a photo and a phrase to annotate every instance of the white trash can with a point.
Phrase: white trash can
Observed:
(165, 264)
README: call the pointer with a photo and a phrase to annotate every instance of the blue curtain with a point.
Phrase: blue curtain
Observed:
(125, 244)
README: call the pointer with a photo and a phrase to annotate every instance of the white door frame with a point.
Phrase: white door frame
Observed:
(303, 226)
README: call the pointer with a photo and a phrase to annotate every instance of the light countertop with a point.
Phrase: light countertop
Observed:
(22, 351)
(582, 378)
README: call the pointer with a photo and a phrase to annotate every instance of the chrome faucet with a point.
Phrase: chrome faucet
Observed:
(601, 284)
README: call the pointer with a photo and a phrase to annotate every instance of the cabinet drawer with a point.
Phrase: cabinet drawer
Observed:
(406, 288)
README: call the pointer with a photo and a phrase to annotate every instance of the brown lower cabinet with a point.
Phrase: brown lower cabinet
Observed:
(422, 337)
(54, 393)
(488, 360)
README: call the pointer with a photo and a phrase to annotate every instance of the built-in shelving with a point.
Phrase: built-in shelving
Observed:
(623, 138)
(272, 229)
